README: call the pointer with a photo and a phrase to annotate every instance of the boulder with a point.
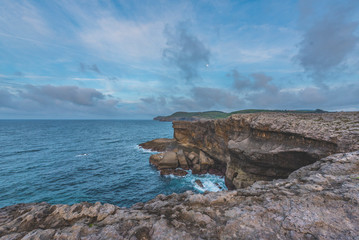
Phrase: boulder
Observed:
(156, 158)
(169, 160)
(205, 160)
(199, 183)
(182, 160)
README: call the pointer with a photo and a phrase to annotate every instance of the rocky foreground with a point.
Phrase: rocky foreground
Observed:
(316, 201)
(319, 201)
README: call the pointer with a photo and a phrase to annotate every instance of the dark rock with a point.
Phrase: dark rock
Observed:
(199, 183)
(176, 172)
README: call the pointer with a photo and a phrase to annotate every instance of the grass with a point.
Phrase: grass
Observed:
(219, 114)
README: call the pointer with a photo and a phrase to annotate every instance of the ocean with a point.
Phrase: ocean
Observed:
(70, 161)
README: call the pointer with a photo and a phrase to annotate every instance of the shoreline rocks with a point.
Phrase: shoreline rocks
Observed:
(318, 201)
(289, 181)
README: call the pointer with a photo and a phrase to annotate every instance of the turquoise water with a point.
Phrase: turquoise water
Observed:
(69, 161)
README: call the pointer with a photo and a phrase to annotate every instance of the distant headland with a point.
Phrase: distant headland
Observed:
(193, 116)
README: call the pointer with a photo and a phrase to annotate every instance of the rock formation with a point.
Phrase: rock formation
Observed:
(290, 185)
(265, 146)
(318, 201)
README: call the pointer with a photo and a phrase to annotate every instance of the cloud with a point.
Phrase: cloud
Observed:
(207, 97)
(87, 67)
(240, 82)
(328, 42)
(72, 94)
(59, 102)
(185, 51)
(122, 40)
(204, 99)
(6, 99)
(253, 82)
(262, 81)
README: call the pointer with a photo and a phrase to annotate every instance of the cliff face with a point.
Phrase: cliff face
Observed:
(267, 146)
(318, 201)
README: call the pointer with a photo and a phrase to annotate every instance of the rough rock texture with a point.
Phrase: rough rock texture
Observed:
(268, 146)
(160, 144)
(318, 201)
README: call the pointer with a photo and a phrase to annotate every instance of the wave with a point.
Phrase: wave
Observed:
(83, 155)
(138, 147)
(211, 183)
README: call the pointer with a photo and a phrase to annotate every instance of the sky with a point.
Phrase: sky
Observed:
(139, 59)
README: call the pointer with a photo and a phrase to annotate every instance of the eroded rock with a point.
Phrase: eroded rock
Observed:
(292, 208)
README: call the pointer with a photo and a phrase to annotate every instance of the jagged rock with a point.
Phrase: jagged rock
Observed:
(176, 172)
(267, 146)
(160, 144)
(318, 201)
(205, 161)
(199, 183)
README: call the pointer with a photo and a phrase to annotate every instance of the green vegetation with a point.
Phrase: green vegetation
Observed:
(190, 116)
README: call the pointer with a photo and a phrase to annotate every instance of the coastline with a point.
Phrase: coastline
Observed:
(318, 199)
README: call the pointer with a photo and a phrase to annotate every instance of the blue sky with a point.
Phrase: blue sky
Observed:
(140, 59)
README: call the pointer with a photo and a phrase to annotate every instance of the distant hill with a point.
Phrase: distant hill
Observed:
(193, 116)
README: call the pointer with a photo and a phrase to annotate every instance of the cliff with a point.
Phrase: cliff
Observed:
(296, 176)
(267, 146)
(318, 201)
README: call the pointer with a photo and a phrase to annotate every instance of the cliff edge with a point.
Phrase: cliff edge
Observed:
(296, 177)
(318, 201)
(262, 146)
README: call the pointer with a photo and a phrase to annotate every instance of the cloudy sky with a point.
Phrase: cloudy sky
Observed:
(139, 59)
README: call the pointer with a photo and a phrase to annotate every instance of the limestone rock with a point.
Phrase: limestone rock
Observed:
(279, 209)
(196, 169)
(182, 160)
(155, 159)
(169, 160)
(267, 146)
(160, 144)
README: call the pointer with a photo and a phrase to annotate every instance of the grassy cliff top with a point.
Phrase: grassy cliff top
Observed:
(192, 116)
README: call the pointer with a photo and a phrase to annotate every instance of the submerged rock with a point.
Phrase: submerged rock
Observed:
(199, 183)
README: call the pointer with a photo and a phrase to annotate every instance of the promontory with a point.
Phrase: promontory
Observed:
(290, 175)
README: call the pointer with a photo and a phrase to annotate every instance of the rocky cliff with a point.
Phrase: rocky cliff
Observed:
(318, 201)
(264, 146)
(314, 194)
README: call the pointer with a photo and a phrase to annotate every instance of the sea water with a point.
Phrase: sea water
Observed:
(70, 161)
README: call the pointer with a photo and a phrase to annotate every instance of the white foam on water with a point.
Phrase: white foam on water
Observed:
(83, 155)
(138, 147)
(211, 183)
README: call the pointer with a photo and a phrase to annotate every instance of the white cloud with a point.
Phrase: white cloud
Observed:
(124, 39)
